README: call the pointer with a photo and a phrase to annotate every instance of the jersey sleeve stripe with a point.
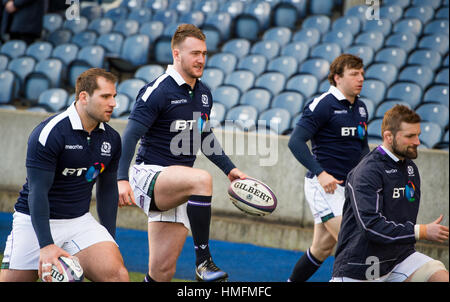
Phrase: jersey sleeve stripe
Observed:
(43, 136)
(150, 89)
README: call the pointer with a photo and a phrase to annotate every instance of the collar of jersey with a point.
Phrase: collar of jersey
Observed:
(337, 93)
(175, 75)
(391, 155)
(75, 119)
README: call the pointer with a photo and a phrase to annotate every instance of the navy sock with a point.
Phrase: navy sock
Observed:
(305, 267)
(148, 278)
(199, 213)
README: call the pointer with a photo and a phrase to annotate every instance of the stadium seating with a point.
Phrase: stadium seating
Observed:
(442, 76)
(341, 37)
(14, 48)
(268, 48)
(374, 90)
(60, 36)
(306, 84)
(122, 105)
(6, 86)
(374, 39)
(388, 104)
(39, 50)
(310, 36)
(425, 57)
(152, 29)
(84, 38)
(239, 47)
(255, 63)
(296, 49)
(405, 91)
(280, 34)
(67, 53)
(218, 111)
(431, 133)
(436, 113)
(393, 55)
(272, 81)
(213, 77)
(286, 65)
(277, 119)
(319, 22)
(421, 75)
(242, 79)
(227, 95)
(21, 67)
(385, 72)
(112, 43)
(423, 13)
(76, 26)
(383, 25)
(244, 116)
(4, 60)
(363, 51)
(437, 94)
(148, 73)
(407, 41)
(328, 51)
(256, 97)
(374, 127)
(290, 100)
(349, 23)
(52, 22)
(130, 88)
(224, 61)
(317, 67)
(53, 100)
(101, 25)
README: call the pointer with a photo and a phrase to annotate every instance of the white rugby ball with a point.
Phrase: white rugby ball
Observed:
(252, 196)
(72, 270)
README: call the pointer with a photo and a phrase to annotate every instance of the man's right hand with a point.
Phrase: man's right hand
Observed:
(47, 258)
(126, 195)
(437, 232)
(328, 182)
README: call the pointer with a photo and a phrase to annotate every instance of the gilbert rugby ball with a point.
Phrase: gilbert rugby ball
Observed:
(72, 270)
(252, 196)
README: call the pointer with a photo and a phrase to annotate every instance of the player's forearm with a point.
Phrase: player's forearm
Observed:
(299, 148)
(107, 201)
(39, 182)
(131, 136)
(216, 154)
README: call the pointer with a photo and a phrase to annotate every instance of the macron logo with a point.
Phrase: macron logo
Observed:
(73, 147)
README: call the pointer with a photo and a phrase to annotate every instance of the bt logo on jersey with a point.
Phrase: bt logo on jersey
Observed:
(181, 125)
(73, 171)
(408, 191)
(91, 173)
(348, 131)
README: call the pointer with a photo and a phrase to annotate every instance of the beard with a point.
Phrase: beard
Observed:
(408, 151)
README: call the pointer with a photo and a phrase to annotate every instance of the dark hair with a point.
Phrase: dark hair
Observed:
(338, 65)
(87, 81)
(186, 30)
(395, 116)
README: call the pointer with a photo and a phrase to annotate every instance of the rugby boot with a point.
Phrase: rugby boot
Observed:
(207, 271)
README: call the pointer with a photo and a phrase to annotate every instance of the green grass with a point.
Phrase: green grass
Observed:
(134, 276)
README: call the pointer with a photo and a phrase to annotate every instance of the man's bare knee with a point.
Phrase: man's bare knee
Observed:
(201, 183)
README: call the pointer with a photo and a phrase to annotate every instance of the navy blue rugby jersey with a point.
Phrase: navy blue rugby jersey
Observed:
(340, 131)
(176, 116)
(60, 144)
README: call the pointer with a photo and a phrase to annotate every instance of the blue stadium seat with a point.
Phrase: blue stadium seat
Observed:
(298, 50)
(445, 62)
(60, 36)
(117, 13)
(290, 100)
(358, 11)
(276, 119)
(152, 29)
(253, 62)
(4, 60)
(383, 25)
(53, 100)
(76, 26)
(7, 89)
(149, 73)
(261, 10)
(317, 67)
(111, 42)
(272, 81)
(256, 97)
(39, 50)
(193, 17)
(285, 14)
(363, 51)
(218, 112)
(391, 12)
(427, 57)
(342, 37)
(67, 53)
(35, 84)
(310, 36)
(92, 12)
(14, 48)
(439, 26)
(409, 25)
(268, 48)
(393, 55)
(227, 95)
(442, 76)
(52, 22)
(163, 51)
(306, 84)
(140, 14)
(157, 5)
(445, 138)
(126, 27)
(374, 90)
(221, 21)
(130, 88)
(374, 127)
(441, 13)
(93, 55)
(21, 67)
(407, 41)
(238, 47)
(320, 22)
(437, 113)
(431, 134)
(321, 7)
(349, 23)
(135, 49)
(421, 75)
(182, 6)
(437, 94)
(401, 3)
(123, 103)
(295, 120)
(167, 16)
(213, 38)
(326, 50)
(242, 79)
(374, 39)
(324, 86)
(243, 115)
(234, 7)
(224, 60)
(213, 77)
(101, 25)
(280, 34)
(287, 65)
(52, 68)
(169, 30)
(433, 3)
(405, 91)
(370, 105)
(247, 27)
(386, 105)
(385, 72)
(37, 109)
(85, 38)
(206, 6)
(438, 42)
(424, 13)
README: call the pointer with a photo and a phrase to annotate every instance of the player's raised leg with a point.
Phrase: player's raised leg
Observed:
(102, 262)
(12, 275)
